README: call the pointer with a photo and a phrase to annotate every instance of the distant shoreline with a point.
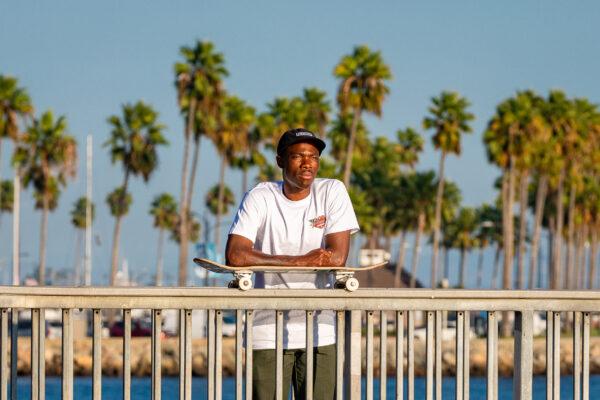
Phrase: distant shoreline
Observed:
(141, 360)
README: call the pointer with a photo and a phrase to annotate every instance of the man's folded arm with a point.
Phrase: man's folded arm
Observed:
(240, 252)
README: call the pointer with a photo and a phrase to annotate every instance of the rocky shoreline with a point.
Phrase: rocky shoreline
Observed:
(141, 361)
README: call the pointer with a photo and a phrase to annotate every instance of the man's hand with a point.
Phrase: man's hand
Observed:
(316, 258)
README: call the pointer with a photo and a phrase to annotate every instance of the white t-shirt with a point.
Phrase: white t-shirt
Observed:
(279, 226)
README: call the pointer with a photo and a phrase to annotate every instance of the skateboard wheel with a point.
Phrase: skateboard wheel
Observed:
(233, 284)
(245, 283)
(351, 284)
(340, 285)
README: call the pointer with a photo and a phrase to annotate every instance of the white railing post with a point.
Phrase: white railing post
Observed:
(353, 355)
(522, 382)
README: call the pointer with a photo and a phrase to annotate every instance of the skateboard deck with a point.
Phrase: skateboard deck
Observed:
(344, 276)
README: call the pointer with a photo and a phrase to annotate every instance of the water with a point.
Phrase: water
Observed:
(140, 388)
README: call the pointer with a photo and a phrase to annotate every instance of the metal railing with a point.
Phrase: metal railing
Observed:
(401, 304)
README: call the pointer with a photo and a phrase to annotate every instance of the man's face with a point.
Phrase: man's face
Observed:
(300, 165)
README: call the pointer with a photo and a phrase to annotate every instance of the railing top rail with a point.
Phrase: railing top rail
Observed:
(373, 299)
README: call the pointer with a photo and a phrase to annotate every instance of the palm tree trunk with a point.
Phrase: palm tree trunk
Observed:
(571, 273)
(190, 192)
(550, 250)
(43, 239)
(159, 257)
(0, 172)
(183, 212)
(401, 257)
(540, 200)
(463, 266)
(557, 258)
(523, 192)
(77, 266)
(220, 205)
(509, 241)
(580, 257)
(480, 267)
(416, 249)
(117, 235)
(446, 257)
(496, 267)
(593, 257)
(350, 149)
(438, 220)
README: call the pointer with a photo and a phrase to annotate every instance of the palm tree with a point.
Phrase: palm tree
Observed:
(462, 230)
(420, 188)
(559, 113)
(410, 146)
(363, 76)
(218, 200)
(47, 156)
(164, 211)
(449, 119)
(79, 221)
(230, 139)
(133, 142)
(250, 156)
(200, 90)
(14, 104)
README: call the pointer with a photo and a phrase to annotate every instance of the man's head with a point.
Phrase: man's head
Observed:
(298, 154)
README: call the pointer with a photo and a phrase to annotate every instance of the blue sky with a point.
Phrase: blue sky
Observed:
(85, 59)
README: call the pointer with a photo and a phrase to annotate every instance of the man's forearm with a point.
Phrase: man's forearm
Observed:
(249, 257)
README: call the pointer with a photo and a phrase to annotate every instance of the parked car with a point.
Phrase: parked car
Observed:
(139, 327)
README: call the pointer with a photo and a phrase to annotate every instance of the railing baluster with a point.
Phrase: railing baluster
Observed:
(492, 348)
(438, 355)
(576, 355)
(309, 355)
(187, 372)
(466, 360)
(383, 355)
(460, 354)
(410, 350)
(239, 342)
(35, 351)
(369, 355)
(586, 357)
(556, 356)
(218, 354)
(97, 355)
(67, 354)
(42, 354)
(4, 373)
(399, 355)
(549, 355)
(339, 356)
(210, 343)
(126, 354)
(279, 356)
(352, 372)
(249, 338)
(14, 351)
(182, 355)
(523, 349)
(429, 355)
(156, 354)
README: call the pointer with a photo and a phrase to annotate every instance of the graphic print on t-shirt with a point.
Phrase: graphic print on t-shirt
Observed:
(318, 222)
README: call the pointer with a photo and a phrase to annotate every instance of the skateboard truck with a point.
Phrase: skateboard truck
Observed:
(241, 280)
(345, 280)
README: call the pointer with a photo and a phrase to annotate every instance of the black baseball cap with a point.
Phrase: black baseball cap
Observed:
(298, 135)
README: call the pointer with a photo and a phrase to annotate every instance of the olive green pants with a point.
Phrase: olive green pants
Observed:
(294, 372)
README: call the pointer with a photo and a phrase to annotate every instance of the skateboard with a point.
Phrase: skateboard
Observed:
(242, 276)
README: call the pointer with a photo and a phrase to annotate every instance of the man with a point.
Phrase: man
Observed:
(300, 221)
